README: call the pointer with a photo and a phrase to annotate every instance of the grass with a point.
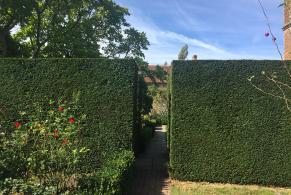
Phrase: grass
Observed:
(189, 188)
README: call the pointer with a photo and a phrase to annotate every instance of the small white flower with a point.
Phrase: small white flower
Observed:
(22, 113)
(250, 78)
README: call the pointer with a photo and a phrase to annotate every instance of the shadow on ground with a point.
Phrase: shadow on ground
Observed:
(151, 168)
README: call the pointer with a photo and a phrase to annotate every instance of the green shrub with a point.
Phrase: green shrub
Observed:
(223, 129)
(44, 146)
(162, 118)
(149, 121)
(113, 178)
(20, 186)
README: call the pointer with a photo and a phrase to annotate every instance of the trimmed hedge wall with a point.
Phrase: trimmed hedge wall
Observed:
(223, 129)
(107, 96)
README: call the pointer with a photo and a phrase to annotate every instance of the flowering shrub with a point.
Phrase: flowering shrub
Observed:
(44, 146)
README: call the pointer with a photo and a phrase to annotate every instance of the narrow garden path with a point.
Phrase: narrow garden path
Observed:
(151, 168)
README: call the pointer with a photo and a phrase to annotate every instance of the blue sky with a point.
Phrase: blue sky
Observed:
(218, 29)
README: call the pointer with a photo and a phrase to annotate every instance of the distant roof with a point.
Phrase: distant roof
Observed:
(158, 81)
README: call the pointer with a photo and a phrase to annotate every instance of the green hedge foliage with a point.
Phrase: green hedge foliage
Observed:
(113, 178)
(169, 81)
(107, 96)
(223, 129)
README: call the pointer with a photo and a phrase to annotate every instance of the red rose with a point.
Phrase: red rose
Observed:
(17, 124)
(71, 120)
(56, 136)
(61, 108)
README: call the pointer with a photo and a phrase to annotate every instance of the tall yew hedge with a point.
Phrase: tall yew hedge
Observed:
(223, 129)
(107, 96)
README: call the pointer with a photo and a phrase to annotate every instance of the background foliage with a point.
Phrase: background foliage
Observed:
(160, 104)
(183, 53)
(68, 28)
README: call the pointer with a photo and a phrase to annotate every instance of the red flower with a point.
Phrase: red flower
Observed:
(17, 124)
(56, 136)
(61, 108)
(65, 142)
(267, 34)
(71, 120)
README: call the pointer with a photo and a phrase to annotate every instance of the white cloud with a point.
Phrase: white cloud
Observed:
(192, 42)
(165, 44)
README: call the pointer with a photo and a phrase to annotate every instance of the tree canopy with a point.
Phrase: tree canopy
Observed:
(69, 28)
(183, 53)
